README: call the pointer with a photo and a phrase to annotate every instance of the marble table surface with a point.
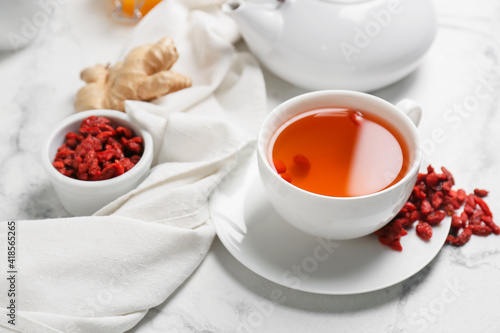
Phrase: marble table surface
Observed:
(458, 86)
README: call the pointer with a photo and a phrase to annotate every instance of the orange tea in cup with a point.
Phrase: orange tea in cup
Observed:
(339, 152)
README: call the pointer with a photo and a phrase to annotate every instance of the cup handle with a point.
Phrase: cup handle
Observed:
(411, 109)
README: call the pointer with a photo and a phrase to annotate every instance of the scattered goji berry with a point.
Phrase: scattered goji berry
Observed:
(432, 179)
(404, 222)
(425, 207)
(424, 230)
(449, 209)
(461, 239)
(483, 205)
(464, 217)
(448, 174)
(432, 198)
(414, 216)
(456, 222)
(410, 207)
(461, 196)
(391, 234)
(470, 201)
(475, 219)
(435, 217)
(468, 209)
(488, 220)
(447, 185)
(437, 200)
(480, 193)
(480, 230)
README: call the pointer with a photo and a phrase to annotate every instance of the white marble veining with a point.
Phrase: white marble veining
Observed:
(458, 86)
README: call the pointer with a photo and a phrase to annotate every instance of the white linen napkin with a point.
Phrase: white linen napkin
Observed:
(102, 273)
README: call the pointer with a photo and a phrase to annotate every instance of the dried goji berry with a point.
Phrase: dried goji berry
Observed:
(447, 185)
(134, 145)
(108, 172)
(461, 196)
(425, 207)
(394, 244)
(449, 176)
(92, 131)
(71, 140)
(286, 177)
(393, 230)
(414, 216)
(105, 155)
(107, 128)
(470, 201)
(480, 193)
(76, 162)
(123, 131)
(461, 239)
(301, 162)
(418, 193)
(135, 159)
(488, 220)
(449, 209)
(480, 230)
(475, 219)
(421, 177)
(468, 209)
(356, 117)
(127, 164)
(104, 136)
(390, 235)
(404, 222)
(424, 230)
(436, 217)
(437, 200)
(464, 217)
(410, 207)
(432, 179)
(64, 152)
(456, 222)
(58, 164)
(483, 205)
(94, 121)
(94, 168)
(279, 165)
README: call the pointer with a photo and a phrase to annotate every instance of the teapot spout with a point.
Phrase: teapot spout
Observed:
(259, 23)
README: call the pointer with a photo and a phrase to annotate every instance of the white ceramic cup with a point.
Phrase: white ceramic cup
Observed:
(340, 217)
(80, 197)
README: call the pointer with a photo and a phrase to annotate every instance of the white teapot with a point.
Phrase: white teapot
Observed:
(336, 44)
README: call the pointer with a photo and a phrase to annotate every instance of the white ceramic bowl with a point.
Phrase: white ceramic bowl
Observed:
(81, 197)
(339, 217)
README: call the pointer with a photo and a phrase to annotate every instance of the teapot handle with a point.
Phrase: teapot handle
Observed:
(411, 108)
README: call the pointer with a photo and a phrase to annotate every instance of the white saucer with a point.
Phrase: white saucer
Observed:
(260, 239)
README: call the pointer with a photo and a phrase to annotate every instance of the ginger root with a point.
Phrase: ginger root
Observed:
(144, 75)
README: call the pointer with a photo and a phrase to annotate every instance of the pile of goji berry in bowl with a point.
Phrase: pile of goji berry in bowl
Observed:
(94, 157)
